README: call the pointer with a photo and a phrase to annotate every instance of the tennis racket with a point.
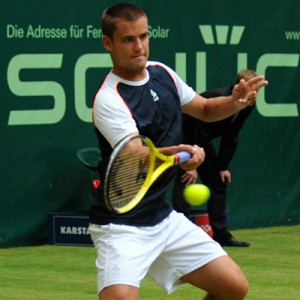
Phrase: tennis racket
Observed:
(133, 166)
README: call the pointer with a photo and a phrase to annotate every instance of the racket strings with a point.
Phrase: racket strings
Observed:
(127, 175)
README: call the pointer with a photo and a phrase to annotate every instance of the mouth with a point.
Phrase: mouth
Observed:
(138, 56)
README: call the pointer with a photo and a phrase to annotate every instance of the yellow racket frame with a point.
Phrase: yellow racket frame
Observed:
(153, 174)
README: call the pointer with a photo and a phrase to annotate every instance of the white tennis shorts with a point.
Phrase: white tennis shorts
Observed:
(166, 251)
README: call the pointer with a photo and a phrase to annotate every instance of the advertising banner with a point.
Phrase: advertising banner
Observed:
(53, 61)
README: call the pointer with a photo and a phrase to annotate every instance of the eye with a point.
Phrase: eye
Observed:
(128, 39)
(144, 36)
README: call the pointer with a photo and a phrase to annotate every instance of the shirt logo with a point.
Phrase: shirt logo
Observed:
(154, 95)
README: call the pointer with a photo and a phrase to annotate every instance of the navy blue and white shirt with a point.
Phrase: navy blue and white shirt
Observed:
(151, 107)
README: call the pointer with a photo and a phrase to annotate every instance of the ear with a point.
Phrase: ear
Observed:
(106, 42)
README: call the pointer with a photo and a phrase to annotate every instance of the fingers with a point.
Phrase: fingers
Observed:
(257, 82)
(251, 88)
(189, 177)
(255, 79)
(253, 84)
(252, 98)
(198, 156)
(225, 176)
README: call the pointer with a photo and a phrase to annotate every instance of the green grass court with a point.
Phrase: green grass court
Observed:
(271, 264)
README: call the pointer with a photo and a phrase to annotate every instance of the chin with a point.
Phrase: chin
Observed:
(139, 66)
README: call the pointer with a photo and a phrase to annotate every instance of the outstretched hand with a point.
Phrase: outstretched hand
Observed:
(245, 92)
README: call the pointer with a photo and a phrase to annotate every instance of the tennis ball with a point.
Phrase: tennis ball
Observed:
(196, 194)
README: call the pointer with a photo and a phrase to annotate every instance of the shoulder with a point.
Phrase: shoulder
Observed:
(108, 85)
(162, 70)
(107, 93)
(152, 63)
(157, 68)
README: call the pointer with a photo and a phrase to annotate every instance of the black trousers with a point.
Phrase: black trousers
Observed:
(216, 206)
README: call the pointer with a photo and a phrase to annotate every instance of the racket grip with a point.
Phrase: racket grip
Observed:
(182, 157)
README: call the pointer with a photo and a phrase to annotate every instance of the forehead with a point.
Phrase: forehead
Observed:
(131, 28)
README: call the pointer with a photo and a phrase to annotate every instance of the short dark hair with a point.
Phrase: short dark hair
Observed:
(119, 11)
(245, 74)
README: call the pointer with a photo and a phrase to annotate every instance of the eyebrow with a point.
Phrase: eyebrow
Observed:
(144, 34)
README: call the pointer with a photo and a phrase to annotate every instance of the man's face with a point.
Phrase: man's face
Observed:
(129, 48)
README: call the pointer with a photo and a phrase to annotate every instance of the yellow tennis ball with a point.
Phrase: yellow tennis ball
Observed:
(196, 194)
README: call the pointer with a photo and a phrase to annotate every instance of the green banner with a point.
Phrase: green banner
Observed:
(52, 62)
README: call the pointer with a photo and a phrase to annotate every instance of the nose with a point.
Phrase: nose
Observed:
(138, 44)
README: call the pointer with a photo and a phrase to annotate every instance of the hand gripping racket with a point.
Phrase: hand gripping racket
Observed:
(132, 168)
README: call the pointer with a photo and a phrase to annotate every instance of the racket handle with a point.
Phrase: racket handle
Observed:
(182, 157)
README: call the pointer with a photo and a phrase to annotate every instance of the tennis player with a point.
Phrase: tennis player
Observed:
(146, 97)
